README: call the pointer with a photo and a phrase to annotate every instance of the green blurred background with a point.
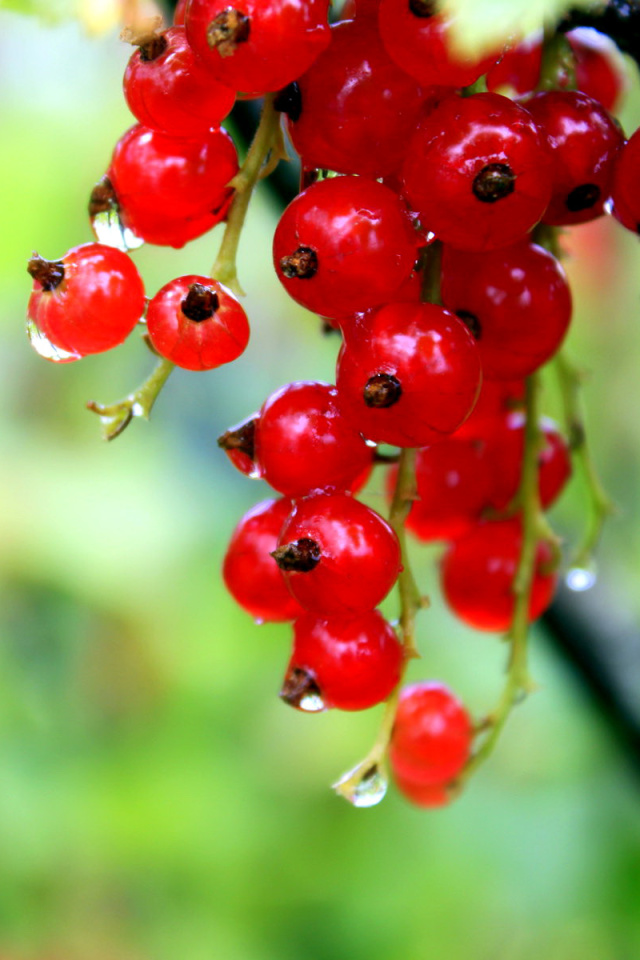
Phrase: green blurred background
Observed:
(157, 800)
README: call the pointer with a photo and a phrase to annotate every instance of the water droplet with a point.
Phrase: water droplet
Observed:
(367, 791)
(255, 474)
(137, 410)
(43, 346)
(311, 702)
(580, 579)
(109, 230)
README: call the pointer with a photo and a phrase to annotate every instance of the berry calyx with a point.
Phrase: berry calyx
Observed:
(227, 29)
(382, 390)
(302, 555)
(493, 182)
(48, 273)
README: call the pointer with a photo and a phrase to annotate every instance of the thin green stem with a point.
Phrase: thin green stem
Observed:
(265, 140)
(600, 505)
(116, 416)
(558, 67)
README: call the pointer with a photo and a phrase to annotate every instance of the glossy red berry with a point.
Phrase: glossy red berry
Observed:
(419, 40)
(584, 141)
(167, 89)
(250, 575)
(88, 301)
(304, 441)
(197, 323)
(343, 245)
(626, 185)
(350, 663)
(516, 302)
(496, 397)
(338, 555)
(408, 374)
(432, 733)
(478, 571)
(428, 795)
(170, 190)
(478, 172)
(257, 45)
(453, 484)
(354, 109)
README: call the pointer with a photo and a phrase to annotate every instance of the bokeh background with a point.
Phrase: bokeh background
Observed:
(157, 800)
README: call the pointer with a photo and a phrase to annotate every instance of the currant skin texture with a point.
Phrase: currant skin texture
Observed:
(304, 441)
(517, 302)
(357, 109)
(357, 243)
(432, 735)
(626, 185)
(427, 795)
(275, 40)
(88, 301)
(496, 398)
(197, 323)
(584, 142)
(171, 190)
(478, 571)
(418, 41)
(352, 663)
(357, 555)
(478, 172)
(453, 483)
(250, 575)
(431, 357)
(167, 90)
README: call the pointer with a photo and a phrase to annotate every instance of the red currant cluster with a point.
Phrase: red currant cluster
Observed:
(425, 234)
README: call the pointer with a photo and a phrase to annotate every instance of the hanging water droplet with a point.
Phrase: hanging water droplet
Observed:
(367, 791)
(43, 346)
(580, 579)
(110, 230)
(311, 702)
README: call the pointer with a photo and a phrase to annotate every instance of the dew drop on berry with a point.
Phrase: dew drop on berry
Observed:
(311, 702)
(580, 579)
(43, 346)
(367, 792)
(109, 229)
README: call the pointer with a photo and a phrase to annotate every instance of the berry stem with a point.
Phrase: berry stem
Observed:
(115, 417)
(558, 67)
(600, 505)
(518, 683)
(265, 140)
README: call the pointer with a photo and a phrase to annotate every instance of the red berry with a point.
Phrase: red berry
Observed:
(432, 735)
(168, 90)
(626, 185)
(355, 109)
(344, 245)
(408, 374)
(239, 444)
(88, 301)
(251, 577)
(304, 442)
(258, 45)
(419, 42)
(478, 172)
(338, 555)
(584, 141)
(453, 484)
(197, 323)
(478, 571)
(516, 301)
(170, 191)
(350, 663)
(496, 398)
(428, 795)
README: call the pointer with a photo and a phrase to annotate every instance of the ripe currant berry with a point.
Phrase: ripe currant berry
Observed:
(478, 572)
(355, 109)
(251, 577)
(584, 141)
(350, 663)
(197, 323)
(258, 45)
(418, 39)
(626, 185)
(304, 442)
(168, 90)
(516, 301)
(170, 190)
(408, 374)
(239, 444)
(478, 172)
(338, 555)
(432, 734)
(453, 483)
(496, 398)
(344, 245)
(428, 795)
(88, 301)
